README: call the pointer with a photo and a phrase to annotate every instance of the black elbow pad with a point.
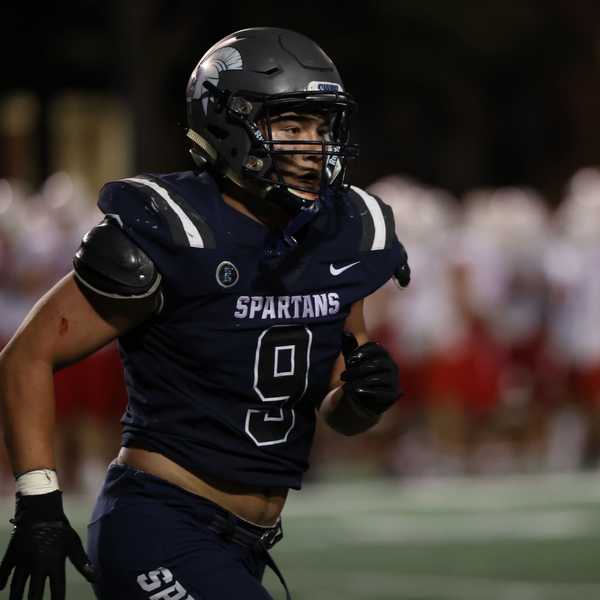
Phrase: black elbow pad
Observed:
(109, 263)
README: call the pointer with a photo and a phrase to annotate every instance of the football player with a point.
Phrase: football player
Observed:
(573, 346)
(236, 292)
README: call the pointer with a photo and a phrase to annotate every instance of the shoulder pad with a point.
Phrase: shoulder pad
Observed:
(110, 263)
(378, 228)
(157, 210)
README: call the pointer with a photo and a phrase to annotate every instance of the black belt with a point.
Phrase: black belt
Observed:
(259, 539)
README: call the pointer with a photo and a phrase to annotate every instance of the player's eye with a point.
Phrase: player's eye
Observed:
(292, 129)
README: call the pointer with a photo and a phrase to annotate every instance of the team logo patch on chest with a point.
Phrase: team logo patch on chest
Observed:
(227, 274)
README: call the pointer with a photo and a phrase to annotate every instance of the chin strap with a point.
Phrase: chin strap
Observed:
(303, 210)
(282, 241)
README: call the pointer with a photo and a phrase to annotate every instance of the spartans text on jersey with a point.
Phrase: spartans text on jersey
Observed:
(287, 307)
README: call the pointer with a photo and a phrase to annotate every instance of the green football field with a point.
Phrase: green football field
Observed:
(529, 538)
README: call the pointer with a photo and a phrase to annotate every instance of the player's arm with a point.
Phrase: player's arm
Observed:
(77, 316)
(364, 381)
(67, 324)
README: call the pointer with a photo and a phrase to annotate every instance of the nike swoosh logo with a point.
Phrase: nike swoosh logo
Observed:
(335, 272)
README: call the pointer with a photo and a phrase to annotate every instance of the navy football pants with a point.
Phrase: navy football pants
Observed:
(149, 540)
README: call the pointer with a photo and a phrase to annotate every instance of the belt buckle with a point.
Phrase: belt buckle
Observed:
(269, 538)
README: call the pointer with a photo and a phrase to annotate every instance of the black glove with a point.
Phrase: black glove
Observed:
(41, 541)
(371, 377)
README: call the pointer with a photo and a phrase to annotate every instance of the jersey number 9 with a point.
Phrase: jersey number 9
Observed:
(281, 366)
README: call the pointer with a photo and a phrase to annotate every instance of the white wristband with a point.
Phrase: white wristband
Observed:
(34, 483)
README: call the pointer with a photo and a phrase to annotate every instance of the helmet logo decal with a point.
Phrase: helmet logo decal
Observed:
(227, 274)
(222, 59)
(323, 86)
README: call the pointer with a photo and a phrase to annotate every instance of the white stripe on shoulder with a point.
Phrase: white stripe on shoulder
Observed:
(191, 231)
(117, 219)
(377, 216)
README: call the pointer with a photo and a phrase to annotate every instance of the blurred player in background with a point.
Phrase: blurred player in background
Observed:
(503, 244)
(574, 320)
(230, 289)
(421, 329)
(468, 334)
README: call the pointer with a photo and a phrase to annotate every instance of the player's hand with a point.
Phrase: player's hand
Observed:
(41, 541)
(371, 376)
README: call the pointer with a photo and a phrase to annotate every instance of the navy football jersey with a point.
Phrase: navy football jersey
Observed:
(226, 378)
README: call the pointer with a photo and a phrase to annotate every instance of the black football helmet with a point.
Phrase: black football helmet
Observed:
(245, 79)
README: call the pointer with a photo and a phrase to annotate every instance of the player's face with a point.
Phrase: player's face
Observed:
(302, 170)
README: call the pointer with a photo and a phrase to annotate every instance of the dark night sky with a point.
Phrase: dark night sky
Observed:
(458, 94)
